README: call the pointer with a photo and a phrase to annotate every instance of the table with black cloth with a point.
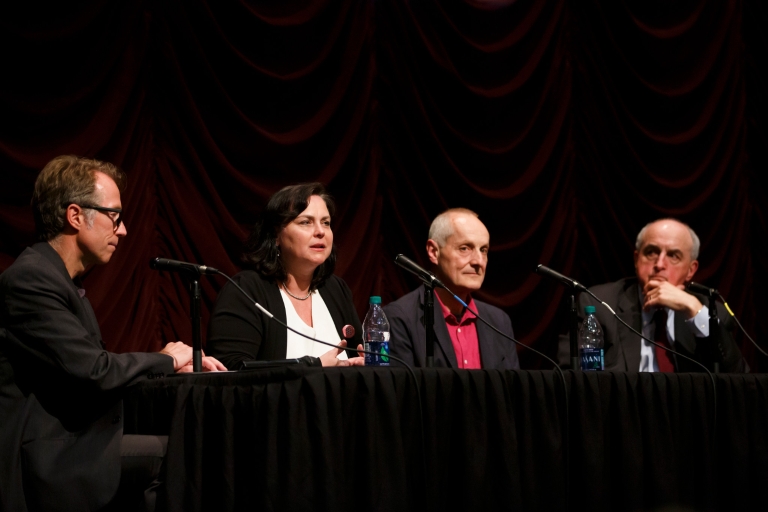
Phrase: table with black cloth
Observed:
(300, 438)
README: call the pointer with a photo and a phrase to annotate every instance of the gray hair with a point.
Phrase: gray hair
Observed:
(442, 227)
(696, 243)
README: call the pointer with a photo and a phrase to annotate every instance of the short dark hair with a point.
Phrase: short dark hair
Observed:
(66, 180)
(261, 251)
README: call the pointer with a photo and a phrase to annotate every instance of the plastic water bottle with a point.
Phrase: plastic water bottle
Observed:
(591, 351)
(376, 334)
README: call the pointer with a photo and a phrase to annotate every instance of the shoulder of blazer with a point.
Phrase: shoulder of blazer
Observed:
(335, 284)
(37, 269)
(490, 310)
(408, 308)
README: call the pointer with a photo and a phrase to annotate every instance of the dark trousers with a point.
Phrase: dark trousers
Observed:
(142, 474)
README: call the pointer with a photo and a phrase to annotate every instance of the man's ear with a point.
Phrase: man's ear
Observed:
(433, 251)
(692, 270)
(74, 218)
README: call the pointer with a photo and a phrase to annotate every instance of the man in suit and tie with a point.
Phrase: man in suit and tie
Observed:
(61, 427)
(458, 249)
(656, 303)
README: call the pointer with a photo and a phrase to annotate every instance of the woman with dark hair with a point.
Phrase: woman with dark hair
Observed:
(290, 258)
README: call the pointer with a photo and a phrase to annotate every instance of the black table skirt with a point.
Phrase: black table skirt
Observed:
(354, 439)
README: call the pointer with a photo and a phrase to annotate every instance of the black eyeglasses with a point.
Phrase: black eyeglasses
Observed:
(106, 211)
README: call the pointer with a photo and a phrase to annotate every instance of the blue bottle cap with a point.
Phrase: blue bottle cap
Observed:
(375, 300)
(589, 309)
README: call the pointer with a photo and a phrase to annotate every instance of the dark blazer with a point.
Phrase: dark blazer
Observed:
(60, 391)
(622, 347)
(239, 332)
(408, 334)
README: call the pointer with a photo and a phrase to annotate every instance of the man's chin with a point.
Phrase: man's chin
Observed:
(470, 286)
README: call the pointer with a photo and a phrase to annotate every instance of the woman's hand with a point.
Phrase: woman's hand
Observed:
(330, 358)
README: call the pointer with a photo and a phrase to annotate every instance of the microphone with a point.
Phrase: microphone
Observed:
(567, 281)
(426, 276)
(348, 332)
(180, 266)
(700, 288)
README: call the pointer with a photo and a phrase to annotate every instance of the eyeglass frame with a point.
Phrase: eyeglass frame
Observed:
(106, 211)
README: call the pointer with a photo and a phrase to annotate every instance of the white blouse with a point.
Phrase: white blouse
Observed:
(323, 329)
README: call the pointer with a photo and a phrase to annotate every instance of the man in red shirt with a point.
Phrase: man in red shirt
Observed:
(458, 248)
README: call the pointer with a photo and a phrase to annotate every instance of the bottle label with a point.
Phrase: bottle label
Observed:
(381, 356)
(592, 359)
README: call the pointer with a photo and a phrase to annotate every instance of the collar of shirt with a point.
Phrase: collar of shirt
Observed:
(463, 334)
(451, 319)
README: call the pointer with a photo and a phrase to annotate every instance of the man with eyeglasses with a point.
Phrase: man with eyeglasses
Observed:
(61, 427)
(656, 303)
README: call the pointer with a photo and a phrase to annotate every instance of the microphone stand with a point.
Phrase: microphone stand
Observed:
(714, 333)
(429, 322)
(573, 328)
(573, 324)
(197, 339)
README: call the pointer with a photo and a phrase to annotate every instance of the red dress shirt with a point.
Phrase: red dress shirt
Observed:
(463, 336)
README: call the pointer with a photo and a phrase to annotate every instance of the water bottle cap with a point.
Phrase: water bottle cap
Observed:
(375, 300)
(589, 309)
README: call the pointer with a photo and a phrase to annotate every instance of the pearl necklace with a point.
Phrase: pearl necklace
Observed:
(295, 297)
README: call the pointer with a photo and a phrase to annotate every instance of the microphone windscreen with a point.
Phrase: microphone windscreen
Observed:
(347, 332)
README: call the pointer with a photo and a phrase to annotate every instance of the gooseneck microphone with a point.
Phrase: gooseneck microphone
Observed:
(412, 267)
(573, 327)
(700, 288)
(180, 266)
(711, 292)
(191, 271)
(567, 281)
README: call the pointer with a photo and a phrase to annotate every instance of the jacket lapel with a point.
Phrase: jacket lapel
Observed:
(629, 311)
(486, 339)
(443, 339)
(684, 338)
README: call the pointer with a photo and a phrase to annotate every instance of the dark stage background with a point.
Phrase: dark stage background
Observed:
(567, 125)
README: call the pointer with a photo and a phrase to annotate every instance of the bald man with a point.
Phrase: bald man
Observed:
(656, 303)
(458, 250)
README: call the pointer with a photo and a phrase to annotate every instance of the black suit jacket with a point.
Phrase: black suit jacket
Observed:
(408, 334)
(60, 391)
(622, 347)
(239, 332)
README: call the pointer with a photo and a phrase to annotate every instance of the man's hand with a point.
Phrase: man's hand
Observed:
(210, 364)
(330, 358)
(182, 358)
(359, 360)
(180, 352)
(660, 293)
